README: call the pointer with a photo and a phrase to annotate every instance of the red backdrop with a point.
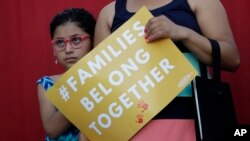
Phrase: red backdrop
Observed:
(25, 56)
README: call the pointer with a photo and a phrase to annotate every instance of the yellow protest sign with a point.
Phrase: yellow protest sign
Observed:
(118, 87)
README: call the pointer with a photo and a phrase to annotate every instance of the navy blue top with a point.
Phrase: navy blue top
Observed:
(177, 11)
(180, 13)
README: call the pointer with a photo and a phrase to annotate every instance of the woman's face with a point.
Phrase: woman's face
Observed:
(70, 44)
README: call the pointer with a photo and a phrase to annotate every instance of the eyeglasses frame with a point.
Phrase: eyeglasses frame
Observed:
(68, 40)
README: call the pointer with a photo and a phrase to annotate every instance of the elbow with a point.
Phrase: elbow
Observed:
(234, 65)
(231, 61)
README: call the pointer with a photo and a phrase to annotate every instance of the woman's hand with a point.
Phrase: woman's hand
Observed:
(162, 27)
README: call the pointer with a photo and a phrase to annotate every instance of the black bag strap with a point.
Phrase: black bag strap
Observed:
(216, 64)
(216, 67)
(216, 61)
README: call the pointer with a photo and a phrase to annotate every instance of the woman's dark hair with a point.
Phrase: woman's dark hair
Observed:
(80, 16)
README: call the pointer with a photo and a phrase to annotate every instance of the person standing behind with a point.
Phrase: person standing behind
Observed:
(72, 32)
(190, 24)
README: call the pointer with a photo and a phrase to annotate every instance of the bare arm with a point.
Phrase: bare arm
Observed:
(212, 19)
(54, 122)
(104, 23)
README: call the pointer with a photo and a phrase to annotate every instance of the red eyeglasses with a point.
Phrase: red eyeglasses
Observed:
(75, 42)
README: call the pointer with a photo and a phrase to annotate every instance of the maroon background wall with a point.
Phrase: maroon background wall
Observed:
(25, 56)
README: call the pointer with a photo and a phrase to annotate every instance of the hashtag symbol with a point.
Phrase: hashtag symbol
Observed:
(64, 93)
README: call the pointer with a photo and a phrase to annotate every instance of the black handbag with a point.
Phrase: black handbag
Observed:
(216, 119)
